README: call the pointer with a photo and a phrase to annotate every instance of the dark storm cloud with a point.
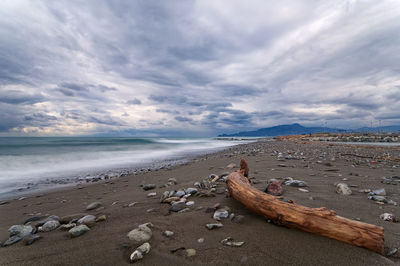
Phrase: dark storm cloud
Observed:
(214, 65)
(20, 97)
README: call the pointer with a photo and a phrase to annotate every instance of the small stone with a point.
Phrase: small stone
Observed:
(20, 230)
(190, 252)
(191, 190)
(171, 199)
(31, 239)
(238, 219)
(304, 190)
(378, 192)
(141, 234)
(295, 183)
(78, 230)
(132, 204)
(229, 242)
(390, 217)
(168, 233)
(101, 218)
(200, 240)
(220, 214)
(50, 226)
(152, 194)
(33, 219)
(4, 202)
(214, 226)
(68, 218)
(173, 180)
(377, 198)
(343, 189)
(93, 206)
(164, 196)
(67, 227)
(149, 186)
(184, 210)
(177, 206)
(14, 239)
(140, 252)
(88, 220)
(180, 193)
(190, 203)
(274, 188)
(391, 252)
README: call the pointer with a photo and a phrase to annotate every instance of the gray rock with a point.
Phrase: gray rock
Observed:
(343, 189)
(295, 183)
(390, 217)
(141, 234)
(190, 203)
(180, 193)
(20, 230)
(93, 206)
(177, 206)
(50, 226)
(14, 239)
(164, 196)
(149, 186)
(67, 227)
(220, 214)
(190, 252)
(214, 226)
(33, 219)
(31, 239)
(78, 230)
(140, 252)
(197, 184)
(88, 220)
(378, 192)
(173, 180)
(68, 218)
(191, 190)
(229, 242)
(152, 194)
(377, 198)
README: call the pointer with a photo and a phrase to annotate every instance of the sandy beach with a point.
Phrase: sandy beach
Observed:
(321, 165)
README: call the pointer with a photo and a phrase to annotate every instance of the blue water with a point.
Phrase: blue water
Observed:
(32, 163)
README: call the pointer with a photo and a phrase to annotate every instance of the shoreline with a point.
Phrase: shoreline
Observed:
(106, 243)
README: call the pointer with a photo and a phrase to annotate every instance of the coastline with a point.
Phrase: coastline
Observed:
(265, 243)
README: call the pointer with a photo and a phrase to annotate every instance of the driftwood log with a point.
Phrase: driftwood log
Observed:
(319, 221)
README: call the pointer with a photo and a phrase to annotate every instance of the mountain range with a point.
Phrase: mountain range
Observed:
(297, 129)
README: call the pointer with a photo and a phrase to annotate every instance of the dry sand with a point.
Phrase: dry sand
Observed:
(265, 244)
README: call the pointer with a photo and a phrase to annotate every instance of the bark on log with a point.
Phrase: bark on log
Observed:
(319, 221)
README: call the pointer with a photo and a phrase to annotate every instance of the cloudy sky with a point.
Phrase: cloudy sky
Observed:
(196, 67)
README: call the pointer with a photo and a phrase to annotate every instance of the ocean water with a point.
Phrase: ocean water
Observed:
(27, 164)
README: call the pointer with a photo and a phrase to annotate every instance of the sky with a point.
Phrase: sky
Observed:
(196, 68)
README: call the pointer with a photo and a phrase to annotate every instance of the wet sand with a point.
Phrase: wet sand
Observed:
(265, 243)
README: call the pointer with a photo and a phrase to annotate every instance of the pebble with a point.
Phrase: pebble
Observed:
(391, 252)
(78, 230)
(141, 234)
(229, 242)
(140, 252)
(304, 190)
(20, 230)
(152, 194)
(190, 203)
(191, 190)
(173, 180)
(101, 218)
(214, 226)
(238, 219)
(184, 210)
(33, 219)
(190, 252)
(4, 202)
(68, 218)
(31, 239)
(149, 186)
(200, 240)
(220, 214)
(295, 183)
(177, 206)
(274, 188)
(132, 204)
(377, 198)
(164, 196)
(343, 189)
(171, 199)
(93, 206)
(67, 227)
(88, 220)
(168, 233)
(378, 192)
(50, 226)
(180, 193)
(390, 217)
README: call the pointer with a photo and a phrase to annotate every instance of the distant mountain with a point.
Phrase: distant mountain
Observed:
(297, 129)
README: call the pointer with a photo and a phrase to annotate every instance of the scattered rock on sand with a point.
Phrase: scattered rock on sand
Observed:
(172, 180)
(295, 183)
(200, 240)
(20, 230)
(229, 242)
(190, 252)
(67, 227)
(214, 226)
(180, 193)
(378, 192)
(149, 186)
(88, 220)
(101, 218)
(50, 226)
(93, 206)
(152, 194)
(191, 190)
(78, 230)
(140, 252)
(141, 234)
(390, 217)
(220, 214)
(274, 188)
(377, 198)
(68, 218)
(304, 190)
(343, 189)
(178, 206)
(168, 233)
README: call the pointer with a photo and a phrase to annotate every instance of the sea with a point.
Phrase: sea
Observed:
(36, 163)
